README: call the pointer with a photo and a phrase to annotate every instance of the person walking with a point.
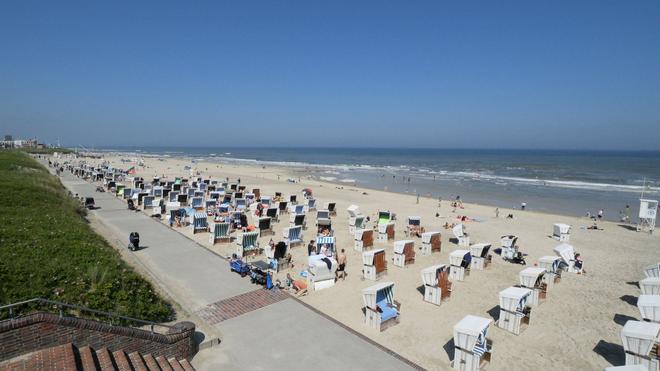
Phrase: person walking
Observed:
(497, 212)
(600, 214)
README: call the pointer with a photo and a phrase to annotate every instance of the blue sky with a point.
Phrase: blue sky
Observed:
(493, 74)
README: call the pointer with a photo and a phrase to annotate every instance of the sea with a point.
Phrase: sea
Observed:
(562, 182)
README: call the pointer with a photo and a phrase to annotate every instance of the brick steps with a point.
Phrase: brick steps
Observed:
(68, 357)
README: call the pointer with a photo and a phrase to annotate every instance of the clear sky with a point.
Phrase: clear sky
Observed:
(496, 74)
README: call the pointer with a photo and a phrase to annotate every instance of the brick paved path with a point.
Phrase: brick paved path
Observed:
(235, 306)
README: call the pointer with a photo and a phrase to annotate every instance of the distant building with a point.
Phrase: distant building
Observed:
(8, 138)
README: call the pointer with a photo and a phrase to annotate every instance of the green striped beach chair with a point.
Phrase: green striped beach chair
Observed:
(249, 244)
(219, 232)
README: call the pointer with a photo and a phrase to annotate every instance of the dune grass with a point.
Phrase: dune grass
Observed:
(48, 250)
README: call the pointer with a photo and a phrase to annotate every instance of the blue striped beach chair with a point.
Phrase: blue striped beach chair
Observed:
(293, 235)
(219, 232)
(200, 223)
(249, 244)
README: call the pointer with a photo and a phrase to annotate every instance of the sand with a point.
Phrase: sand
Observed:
(577, 327)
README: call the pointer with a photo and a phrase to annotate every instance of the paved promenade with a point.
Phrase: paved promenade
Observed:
(262, 330)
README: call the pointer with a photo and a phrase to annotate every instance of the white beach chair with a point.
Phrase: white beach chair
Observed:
(552, 270)
(200, 223)
(650, 286)
(515, 313)
(649, 307)
(437, 287)
(364, 239)
(567, 254)
(320, 276)
(561, 232)
(640, 343)
(353, 212)
(404, 253)
(480, 257)
(374, 264)
(471, 346)
(459, 261)
(386, 231)
(652, 270)
(356, 223)
(462, 238)
(532, 278)
(431, 242)
(381, 310)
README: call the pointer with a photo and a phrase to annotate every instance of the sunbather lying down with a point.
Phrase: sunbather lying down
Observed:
(300, 287)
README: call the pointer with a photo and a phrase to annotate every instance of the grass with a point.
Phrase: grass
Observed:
(48, 250)
(47, 151)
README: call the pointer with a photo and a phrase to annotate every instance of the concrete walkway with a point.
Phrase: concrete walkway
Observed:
(260, 331)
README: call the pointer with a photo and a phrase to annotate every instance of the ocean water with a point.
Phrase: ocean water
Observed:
(565, 182)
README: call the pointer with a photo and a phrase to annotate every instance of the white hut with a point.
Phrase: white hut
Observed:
(567, 254)
(471, 346)
(509, 247)
(461, 235)
(561, 232)
(459, 261)
(381, 310)
(514, 310)
(640, 342)
(353, 212)
(385, 231)
(532, 278)
(321, 271)
(374, 264)
(480, 257)
(431, 242)
(437, 287)
(404, 253)
(552, 270)
(364, 239)
(649, 307)
(650, 286)
(652, 270)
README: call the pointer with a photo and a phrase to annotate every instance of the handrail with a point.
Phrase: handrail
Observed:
(85, 309)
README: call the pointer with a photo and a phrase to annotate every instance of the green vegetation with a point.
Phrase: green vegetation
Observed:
(48, 250)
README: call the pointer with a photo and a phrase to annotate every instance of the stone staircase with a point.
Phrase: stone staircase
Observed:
(68, 357)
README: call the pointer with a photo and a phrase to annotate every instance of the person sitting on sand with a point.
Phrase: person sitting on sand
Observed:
(415, 230)
(579, 264)
(510, 216)
(449, 225)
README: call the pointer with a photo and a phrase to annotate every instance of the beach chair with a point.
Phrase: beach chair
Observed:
(332, 208)
(199, 223)
(515, 313)
(364, 239)
(283, 207)
(532, 278)
(480, 258)
(404, 253)
(356, 223)
(273, 213)
(510, 251)
(173, 196)
(293, 235)
(386, 231)
(328, 242)
(652, 270)
(650, 286)
(459, 264)
(374, 264)
(649, 307)
(561, 232)
(322, 214)
(431, 242)
(353, 212)
(219, 232)
(384, 217)
(413, 226)
(266, 201)
(197, 203)
(240, 203)
(462, 238)
(257, 193)
(249, 199)
(298, 220)
(567, 254)
(265, 227)
(182, 199)
(311, 204)
(215, 196)
(248, 244)
(641, 342)
(296, 209)
(437, 287)
(210, 206)
(158, 192)
(552, 271)
(472, 348)
(324, 224)
(293, 199)
(380, 309)
(148, 203)
(279, 256)
(321, 271)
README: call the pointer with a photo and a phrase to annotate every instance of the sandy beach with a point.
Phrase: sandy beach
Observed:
(577, 327)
